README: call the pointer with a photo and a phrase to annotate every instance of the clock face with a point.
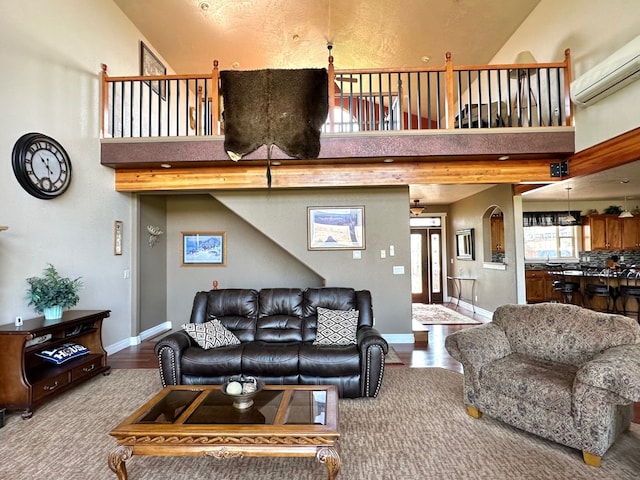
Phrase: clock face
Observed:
(41, 165)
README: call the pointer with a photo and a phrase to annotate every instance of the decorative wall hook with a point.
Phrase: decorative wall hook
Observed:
(154, 235)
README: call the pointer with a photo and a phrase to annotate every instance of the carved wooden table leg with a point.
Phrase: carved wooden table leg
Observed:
(330, 456)
(117, 457)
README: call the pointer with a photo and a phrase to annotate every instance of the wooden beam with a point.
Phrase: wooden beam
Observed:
(341, 175)
(526, 187)
(616, 151)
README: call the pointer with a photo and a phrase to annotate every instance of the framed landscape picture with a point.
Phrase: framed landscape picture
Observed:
(204, 249)
(335, 228)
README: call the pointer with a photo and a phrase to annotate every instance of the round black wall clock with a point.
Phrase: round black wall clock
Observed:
(41, 165)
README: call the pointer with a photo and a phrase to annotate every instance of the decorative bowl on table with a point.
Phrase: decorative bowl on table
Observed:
(242, 389)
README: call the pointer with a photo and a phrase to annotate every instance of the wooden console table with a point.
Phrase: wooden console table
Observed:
(26, 380)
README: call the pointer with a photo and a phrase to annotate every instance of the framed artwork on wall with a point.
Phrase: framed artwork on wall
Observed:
(465, 244)
(150, 65)
(203, 249)
(335, 228)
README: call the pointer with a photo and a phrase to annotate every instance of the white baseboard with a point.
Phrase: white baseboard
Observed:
(398, 337)
(128, 342)
(486, 314)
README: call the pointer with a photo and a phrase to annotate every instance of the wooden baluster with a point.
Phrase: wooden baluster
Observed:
(568, 110)
(216, 128)
(105, 100)
(449, 102)
(332, 92)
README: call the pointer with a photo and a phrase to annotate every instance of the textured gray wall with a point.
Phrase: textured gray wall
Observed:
(267, 247)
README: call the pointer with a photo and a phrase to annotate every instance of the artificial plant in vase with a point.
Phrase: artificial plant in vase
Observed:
(51, 293)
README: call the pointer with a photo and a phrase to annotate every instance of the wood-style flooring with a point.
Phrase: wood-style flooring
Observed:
(412, 355)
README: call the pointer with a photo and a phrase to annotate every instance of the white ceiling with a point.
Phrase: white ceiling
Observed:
(252, 34)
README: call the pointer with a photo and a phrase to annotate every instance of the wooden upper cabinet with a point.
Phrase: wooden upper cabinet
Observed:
(630, 233)
(605, 232)
(497, 234)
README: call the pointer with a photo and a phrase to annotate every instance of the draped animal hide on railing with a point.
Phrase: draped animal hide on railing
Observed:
(286, 108)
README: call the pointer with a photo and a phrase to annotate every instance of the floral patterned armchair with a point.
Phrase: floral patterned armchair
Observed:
(559, 371)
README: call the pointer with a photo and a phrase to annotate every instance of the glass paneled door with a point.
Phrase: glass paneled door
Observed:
(426, 265)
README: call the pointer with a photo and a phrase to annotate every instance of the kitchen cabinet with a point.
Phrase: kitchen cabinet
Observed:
(497, 233)
(538, 286)
(602, 232)
(631, 233)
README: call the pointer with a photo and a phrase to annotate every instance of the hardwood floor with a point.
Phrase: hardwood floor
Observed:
(412, 355)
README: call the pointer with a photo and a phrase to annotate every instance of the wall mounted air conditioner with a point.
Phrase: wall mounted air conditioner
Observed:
(610, 75)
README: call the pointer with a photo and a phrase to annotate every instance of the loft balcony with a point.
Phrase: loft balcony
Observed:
(398, 126)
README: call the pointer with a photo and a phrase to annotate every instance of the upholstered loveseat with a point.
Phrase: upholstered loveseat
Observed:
(559, 371)
(281, 335)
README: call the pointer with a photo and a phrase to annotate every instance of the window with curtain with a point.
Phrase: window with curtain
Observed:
(549, 236)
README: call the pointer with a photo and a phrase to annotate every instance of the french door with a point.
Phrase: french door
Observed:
(426, 265)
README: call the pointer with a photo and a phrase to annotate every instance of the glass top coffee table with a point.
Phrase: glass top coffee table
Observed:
(199, 420)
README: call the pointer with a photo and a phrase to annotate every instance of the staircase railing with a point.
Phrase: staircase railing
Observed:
(363, 100)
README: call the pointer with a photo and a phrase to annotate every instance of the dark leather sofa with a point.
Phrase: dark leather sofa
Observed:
(276, 328)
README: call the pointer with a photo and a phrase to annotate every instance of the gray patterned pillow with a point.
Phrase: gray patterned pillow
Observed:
(336, 327)
(210, 334)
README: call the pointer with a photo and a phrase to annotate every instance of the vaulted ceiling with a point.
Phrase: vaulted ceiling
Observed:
(253, 34)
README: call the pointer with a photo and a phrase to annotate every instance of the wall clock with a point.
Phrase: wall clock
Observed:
(41, 165)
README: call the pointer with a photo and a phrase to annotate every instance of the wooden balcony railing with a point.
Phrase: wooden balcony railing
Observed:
(446, 97)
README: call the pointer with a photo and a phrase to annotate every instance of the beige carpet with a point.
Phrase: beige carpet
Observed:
(416, 429)
(436, 314)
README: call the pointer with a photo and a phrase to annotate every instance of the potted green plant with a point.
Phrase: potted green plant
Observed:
(51, 293)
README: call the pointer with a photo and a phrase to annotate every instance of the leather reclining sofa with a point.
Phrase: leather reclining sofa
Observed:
(277, 328)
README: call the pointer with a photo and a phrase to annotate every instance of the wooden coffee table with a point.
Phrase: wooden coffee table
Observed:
(198, 420)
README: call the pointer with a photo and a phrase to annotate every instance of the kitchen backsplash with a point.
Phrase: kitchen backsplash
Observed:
(599, 258)
(596, 259)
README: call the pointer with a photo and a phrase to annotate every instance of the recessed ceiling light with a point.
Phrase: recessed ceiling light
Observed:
(165, 165)
(275, 163)
(204, 5)
(426, 58)
(388, 160)
(503, 157)
(235, 65)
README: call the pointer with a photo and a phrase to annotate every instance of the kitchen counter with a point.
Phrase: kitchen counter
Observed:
(628, 274)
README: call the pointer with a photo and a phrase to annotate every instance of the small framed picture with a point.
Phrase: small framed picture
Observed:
(150, 65)
(117, 237)
(335, 228)
(204, 249)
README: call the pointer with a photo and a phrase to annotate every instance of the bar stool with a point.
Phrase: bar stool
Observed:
(632, 291)
(560, 287)
(599, 290)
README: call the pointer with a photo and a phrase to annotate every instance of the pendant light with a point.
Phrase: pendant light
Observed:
(416, 209)
(569, 218)
(625, 213)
